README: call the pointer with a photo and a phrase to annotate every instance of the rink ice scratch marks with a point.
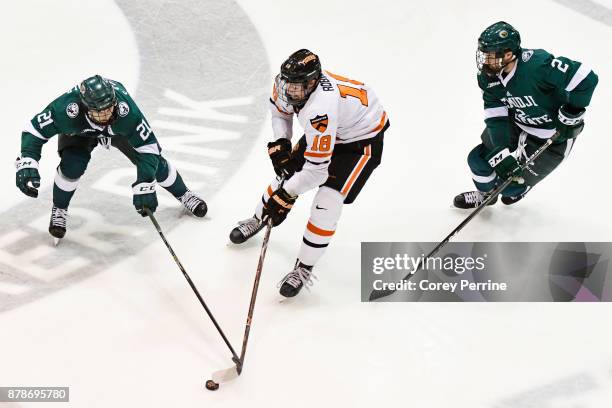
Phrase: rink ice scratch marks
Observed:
(596, 11)
(582, 389)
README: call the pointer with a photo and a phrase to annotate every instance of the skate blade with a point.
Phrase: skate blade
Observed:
(223, 376)
(463, 210)
(285, 300)
(56, 241)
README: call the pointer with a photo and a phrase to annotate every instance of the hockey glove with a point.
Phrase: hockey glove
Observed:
(280, 154)
(278, 206)
(144, 196)
(27, 177)
(505, 164)
(571, 122)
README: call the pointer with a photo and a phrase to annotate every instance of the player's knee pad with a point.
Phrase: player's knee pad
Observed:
(483, 175)
(478, 164)
(73, 163)
(324, 216)
(166, 173)
(326, 208)
(64, 183)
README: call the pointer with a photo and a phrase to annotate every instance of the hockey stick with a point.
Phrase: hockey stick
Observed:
(193, 287)
(234, 371)
(378, 294)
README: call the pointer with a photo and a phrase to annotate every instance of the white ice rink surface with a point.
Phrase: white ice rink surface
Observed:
(135, 336)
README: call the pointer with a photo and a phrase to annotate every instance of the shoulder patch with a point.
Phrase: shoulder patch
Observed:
(527, 55)
(319, 122)
(72, 110)
(124, 109)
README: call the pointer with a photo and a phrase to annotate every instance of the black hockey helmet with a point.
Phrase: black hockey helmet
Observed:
(494, 42)
(98, 95)
(298, 78)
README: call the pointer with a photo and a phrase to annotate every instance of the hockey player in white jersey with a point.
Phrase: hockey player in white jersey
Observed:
(344, 126)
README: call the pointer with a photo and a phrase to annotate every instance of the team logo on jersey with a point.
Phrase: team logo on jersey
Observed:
(527, 55)
(124, 109)
(319, 122)
(72, 110)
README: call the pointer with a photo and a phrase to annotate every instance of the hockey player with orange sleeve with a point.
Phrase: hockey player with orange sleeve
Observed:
(344, 126)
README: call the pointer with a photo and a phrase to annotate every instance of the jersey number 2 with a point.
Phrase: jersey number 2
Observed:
(557, 63)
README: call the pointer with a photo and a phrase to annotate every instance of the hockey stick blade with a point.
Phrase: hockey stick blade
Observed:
(229, 374)
(223, 376)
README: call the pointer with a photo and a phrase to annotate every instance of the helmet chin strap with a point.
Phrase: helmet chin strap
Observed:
(507, 63)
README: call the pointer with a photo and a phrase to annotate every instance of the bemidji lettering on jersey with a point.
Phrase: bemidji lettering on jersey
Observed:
(519, 103)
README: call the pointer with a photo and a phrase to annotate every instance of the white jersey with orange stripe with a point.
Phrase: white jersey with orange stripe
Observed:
(340, 110)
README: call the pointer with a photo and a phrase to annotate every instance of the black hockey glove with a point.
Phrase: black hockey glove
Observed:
(278, 206)
(144, 196)
(505, 164)
(280, 154)
(571, 122)
(27, 178)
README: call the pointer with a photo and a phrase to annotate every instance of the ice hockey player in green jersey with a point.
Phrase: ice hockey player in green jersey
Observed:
(98, 111)
(529, 96)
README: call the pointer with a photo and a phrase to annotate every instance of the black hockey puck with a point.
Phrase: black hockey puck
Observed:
(211, 385)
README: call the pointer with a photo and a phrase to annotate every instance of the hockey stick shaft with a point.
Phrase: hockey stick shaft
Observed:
(193, 287)
(262, 257)
(378, 294)
(247, 328)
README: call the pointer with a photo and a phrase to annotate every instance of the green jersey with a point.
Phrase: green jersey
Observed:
(67, 116)
(532, 93)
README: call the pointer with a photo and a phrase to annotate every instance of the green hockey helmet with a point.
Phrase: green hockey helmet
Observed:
(494, 42)
(97, 93)
(298, 78)
(98, 96)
